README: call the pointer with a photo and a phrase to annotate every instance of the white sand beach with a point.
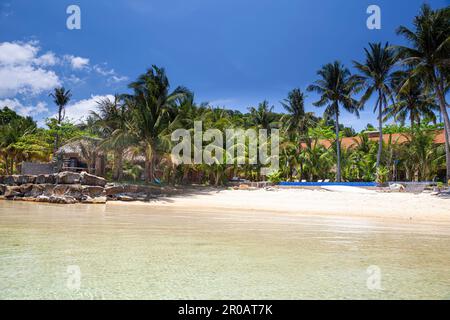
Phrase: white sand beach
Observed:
(423, 207)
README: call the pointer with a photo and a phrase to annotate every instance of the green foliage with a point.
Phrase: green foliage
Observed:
(382, 175)
(275, 177)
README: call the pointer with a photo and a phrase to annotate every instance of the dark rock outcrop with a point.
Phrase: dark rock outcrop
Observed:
(45, 178)
(93, 191)
(12, 191)
(70, 187)
(91, 180)
(68, 177)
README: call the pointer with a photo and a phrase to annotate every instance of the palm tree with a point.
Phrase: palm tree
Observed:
(61, 97)
(428, 56)
(411, 100)
(149, 108)
(376, 72)
(111, 120)
(297, 120)
(263, 116)
(336, 86)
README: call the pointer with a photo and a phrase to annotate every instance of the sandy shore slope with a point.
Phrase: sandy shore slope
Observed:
(404, 206)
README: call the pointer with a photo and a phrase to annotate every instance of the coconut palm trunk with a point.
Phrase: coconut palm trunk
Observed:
(338, 149)
(118, 162)
(443, 109)
(380, 131)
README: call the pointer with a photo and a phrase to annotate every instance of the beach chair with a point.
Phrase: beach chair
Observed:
(319, 181)
(303, 180)
(326, 180)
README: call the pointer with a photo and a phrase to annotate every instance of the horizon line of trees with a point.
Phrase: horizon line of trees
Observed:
(408, 83)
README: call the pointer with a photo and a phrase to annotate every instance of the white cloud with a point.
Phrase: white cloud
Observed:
(48, 59)
(77, 63)
(80, 110)
(22, 71)
(110, 73)
(16, 105)
(26, 79)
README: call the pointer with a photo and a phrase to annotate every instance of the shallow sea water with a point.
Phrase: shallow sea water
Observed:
(139, 252)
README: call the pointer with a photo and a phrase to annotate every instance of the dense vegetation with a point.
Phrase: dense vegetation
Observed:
(409, 85)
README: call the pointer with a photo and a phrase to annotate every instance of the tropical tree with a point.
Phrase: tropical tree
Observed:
(111, 119)
(263, 116)
(412, 101)
(13, 129)
(149, 109)
(428, 57)
(61, 98)
(376, 73)
(336, 88)
(297, 120)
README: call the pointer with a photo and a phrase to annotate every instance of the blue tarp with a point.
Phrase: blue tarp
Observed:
(320, 184)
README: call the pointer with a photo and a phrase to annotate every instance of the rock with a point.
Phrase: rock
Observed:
(69, 190)
(45, 178)
(68, 177)
(91, 180)
(2, 179)
(42, 198)
(93, 191)
(26, 179)
(11, 180)
(2, 189)
(26, 188)
(130, 188)
(62, 200)
(29, 199)
(113, 190)
(122, 197)
(94, 200)
(35, 191)
(12, 191)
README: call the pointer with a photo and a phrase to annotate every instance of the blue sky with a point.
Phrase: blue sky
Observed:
(232, 53)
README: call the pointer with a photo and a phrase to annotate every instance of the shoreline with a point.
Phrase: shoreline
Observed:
(378, 205)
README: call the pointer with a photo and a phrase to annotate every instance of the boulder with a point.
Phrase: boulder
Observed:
(62, 199)
(26, 188)
(2, 189)
(42, 198)
(68, 177)
(94, 200)
(45, 178)
(12, 191)
(93, 191)
(91, 180)
(113, 190)
(2, 179)
(69, 190)
(35, 191)
(12, 180)
(130, 188)
(122, 197)
(26, 179)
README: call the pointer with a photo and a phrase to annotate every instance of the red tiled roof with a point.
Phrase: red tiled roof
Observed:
(397, 138)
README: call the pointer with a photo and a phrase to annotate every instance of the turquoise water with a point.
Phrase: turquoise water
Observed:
(138, 252)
